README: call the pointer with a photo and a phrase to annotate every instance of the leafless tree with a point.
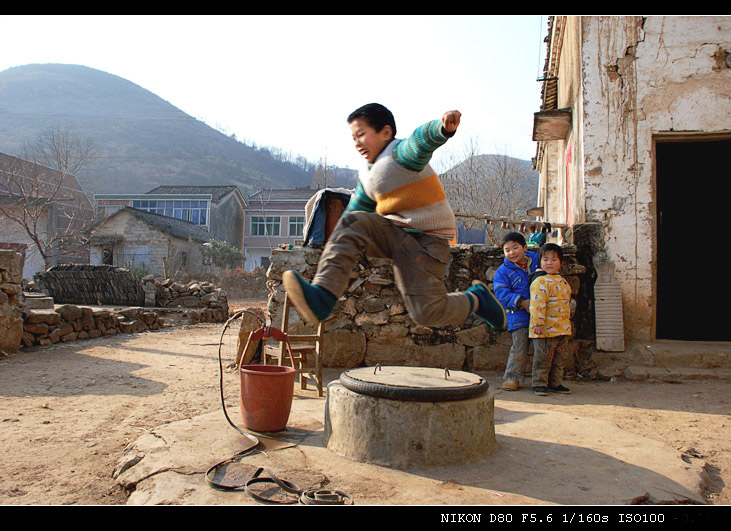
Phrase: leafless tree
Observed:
(59, 148)
(323, 177)
(487, 185)
(40, 195)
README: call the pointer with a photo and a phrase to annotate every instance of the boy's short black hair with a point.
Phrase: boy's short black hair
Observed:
(376, 115)
(551, 248)
(514, 237)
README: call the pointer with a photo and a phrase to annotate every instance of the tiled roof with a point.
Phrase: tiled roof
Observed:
(173, 226)
(282, 194)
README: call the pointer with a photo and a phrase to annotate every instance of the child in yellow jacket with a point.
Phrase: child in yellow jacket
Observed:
(550, 324)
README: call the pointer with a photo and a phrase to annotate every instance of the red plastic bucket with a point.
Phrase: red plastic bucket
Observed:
(266, 396)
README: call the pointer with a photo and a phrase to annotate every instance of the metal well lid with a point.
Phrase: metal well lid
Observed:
(421, 384)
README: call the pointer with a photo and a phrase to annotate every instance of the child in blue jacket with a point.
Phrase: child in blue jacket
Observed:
(512, 289)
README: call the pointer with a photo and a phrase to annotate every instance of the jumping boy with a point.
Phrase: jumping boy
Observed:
(550, 324)
(512, 288)
(399, 211)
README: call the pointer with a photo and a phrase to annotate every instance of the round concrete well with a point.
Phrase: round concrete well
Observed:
(406, 417)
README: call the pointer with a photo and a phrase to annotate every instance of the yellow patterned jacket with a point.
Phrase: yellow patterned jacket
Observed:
(550, 298)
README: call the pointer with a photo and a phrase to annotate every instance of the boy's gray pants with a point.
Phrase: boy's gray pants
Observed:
(548, 360)
(419, 265)
(515, 367)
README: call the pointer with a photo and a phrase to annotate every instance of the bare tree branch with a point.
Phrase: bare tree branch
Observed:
(58, 148)
(42, 197)
(488, 185)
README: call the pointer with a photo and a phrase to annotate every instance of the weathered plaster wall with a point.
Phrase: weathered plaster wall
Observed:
(570, 161)
(644, 77)
(146, 247)
(227, 222)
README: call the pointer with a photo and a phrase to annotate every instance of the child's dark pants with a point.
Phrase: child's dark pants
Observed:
(548, 360)
(419, 264)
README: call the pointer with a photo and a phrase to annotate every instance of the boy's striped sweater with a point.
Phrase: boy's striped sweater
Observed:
(401, 185)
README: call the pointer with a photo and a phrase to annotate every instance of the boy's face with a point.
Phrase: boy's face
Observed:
(369, 142)
(515, 252)
(550, 263)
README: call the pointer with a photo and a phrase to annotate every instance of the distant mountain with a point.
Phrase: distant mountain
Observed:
(143, 141)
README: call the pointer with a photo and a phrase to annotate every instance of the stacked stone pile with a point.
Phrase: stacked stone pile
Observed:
(11, 289)
(70, 323)
(91, 284)
(370, 323)
(203, 301)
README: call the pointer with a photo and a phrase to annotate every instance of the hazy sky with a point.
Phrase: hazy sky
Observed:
(291, 80)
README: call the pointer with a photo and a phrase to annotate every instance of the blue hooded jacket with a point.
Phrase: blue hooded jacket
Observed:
(511, 284)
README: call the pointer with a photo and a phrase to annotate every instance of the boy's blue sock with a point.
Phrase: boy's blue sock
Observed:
(489, 309)
(313, 303)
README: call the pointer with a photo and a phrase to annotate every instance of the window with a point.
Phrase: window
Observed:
(263, 226)
(296, 225)
(193, 211)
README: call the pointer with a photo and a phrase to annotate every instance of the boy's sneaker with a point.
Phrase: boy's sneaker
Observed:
(560, 389)
(511, 385)
(489, 309)
(313, 303)
(540, 391)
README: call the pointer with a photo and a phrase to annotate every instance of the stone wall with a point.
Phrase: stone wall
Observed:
(71, 323)
(81, 289)
(115, 286)
(11, 280)
(370, 324)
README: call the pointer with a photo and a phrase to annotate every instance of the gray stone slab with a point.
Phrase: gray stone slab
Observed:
(544, 457)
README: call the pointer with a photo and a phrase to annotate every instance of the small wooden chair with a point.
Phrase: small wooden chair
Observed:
(306, 350)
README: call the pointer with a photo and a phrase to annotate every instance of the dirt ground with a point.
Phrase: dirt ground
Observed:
(68, 411)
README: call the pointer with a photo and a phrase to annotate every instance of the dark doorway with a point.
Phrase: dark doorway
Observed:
(107, 255)
(693, 192)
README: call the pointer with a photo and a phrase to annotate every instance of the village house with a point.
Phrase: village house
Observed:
(633, 134)
(273, 217)
(218, 210)
(44, 213)
(149, 243)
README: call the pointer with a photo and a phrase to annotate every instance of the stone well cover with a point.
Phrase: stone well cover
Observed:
(414, 383)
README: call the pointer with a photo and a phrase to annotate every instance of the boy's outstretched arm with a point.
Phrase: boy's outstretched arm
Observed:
(416, 151)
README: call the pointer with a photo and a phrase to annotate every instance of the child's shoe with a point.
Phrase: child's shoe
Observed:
(511, 385)
(489, 309)
(540, 391)
(313, 303)
(560, 389)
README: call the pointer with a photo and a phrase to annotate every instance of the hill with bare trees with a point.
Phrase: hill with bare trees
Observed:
(141, 141)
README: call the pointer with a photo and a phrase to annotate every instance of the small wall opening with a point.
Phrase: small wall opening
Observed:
(693, 188)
